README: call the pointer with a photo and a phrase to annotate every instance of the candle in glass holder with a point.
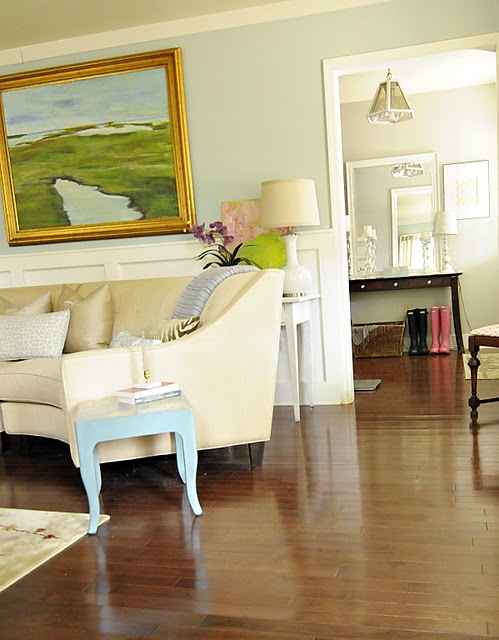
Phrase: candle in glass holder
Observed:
(426, 235)
(368, 231)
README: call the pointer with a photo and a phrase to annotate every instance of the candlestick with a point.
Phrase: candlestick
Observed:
(425, 242)
(146, 370)
(145, 358)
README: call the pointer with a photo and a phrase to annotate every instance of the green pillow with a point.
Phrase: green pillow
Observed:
(266, 250)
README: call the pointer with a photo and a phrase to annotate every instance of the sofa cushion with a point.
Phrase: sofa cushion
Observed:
(491, 330)
(90, 325)
(37, 380)
(40, 336)
(41, 304)
(167, 330)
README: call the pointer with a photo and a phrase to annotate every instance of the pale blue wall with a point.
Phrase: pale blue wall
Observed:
(255, 102)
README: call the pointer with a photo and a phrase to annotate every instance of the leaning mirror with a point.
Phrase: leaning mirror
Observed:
(397, 196)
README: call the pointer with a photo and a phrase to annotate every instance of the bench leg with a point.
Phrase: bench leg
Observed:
(474, 400)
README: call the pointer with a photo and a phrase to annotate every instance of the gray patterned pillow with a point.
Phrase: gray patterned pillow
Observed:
(167, 330)
(41, 336)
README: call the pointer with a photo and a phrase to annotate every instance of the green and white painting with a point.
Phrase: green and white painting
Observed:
(94, 151)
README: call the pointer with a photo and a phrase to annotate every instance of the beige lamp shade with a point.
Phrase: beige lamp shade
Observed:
(445, 223)
(289, 203)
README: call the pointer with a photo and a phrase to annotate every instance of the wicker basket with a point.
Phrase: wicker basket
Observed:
(378, 340)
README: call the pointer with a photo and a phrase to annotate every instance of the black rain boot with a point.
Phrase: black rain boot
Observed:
(412, 322)
(422, 330)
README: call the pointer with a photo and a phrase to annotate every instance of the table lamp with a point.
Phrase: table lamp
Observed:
(445, 224)
(290, 203)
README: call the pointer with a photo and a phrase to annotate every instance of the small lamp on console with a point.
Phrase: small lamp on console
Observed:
(445, 224)
(290, 203)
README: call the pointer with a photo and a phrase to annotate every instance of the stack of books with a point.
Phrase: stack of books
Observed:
(139, 395)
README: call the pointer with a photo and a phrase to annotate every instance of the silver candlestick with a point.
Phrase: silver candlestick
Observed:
(425, 243)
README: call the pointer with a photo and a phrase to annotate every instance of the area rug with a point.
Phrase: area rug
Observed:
(30, 538)
(489, 366)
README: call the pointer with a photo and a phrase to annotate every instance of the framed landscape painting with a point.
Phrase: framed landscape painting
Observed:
(96, 150)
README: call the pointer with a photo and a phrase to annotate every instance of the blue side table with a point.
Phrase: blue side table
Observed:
(107, 419)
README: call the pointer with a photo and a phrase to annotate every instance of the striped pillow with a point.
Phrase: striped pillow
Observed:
(167, 330)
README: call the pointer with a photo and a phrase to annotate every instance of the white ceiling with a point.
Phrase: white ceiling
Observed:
(25, 22)
(29, 22)
(424, 75)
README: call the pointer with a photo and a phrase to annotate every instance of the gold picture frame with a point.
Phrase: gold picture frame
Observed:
(96, 150)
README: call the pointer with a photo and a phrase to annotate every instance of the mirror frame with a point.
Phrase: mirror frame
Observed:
(429, 157)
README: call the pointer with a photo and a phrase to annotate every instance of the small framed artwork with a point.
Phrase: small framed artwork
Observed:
(466, 189)
(96, 150)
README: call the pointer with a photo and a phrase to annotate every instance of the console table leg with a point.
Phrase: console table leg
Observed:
(456, 313)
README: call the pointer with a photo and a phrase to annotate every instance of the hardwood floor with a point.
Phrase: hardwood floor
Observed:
(374, 520)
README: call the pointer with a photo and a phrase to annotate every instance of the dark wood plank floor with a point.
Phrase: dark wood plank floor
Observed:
(375, 520)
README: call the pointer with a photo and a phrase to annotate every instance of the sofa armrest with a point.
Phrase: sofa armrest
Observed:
(227, 369)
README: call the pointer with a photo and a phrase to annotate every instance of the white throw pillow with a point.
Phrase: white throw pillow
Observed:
(125, 339)
(91, 321)
(41, 304)
(40, 336)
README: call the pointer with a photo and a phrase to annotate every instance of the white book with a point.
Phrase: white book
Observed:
(158, 396)
(137, 393)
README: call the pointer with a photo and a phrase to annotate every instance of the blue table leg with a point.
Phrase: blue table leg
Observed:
(91, 482)
(180, 456)
(98, 475)
(190, 461)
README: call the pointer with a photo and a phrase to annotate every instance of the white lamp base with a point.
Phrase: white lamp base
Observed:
(297, 279)
(446, 267)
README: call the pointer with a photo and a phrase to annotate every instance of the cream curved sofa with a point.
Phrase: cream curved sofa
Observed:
(227, 367)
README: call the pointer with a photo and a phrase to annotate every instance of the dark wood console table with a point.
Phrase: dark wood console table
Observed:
(418, 282)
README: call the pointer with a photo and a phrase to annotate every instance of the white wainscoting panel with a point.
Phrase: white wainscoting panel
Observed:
(178, 258)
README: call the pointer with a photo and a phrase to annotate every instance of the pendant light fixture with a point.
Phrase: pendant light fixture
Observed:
(407, 170)
(390, 104)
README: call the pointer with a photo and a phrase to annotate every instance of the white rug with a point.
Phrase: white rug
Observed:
(489, 366)
(30, 538)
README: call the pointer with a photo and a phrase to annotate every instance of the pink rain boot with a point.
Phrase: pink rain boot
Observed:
(435, 330)
(445, 327)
